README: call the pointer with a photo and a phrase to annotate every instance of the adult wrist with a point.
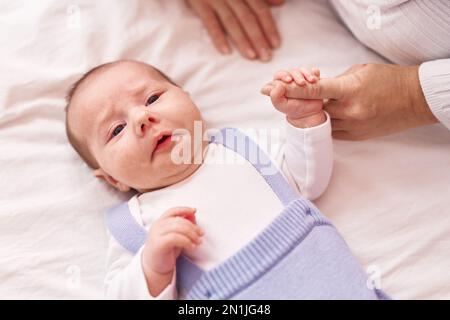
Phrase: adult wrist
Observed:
(421, 112)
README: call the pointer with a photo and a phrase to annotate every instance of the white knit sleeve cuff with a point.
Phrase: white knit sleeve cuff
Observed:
(314, 134)
(435, 81)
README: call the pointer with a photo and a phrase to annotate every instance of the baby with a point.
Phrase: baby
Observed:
(122, 119)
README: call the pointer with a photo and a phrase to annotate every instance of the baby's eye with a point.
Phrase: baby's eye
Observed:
(152, 99)
(118, 129)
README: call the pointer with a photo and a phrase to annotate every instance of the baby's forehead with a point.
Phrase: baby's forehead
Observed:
(128, 72)
(118, 79)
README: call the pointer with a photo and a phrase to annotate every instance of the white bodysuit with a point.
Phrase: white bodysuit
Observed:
(233, 202)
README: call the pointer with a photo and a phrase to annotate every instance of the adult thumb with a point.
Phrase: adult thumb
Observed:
(326, 88)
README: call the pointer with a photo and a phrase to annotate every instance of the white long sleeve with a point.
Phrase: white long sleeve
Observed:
(308, 158)
(125, 278)
(435, 81)
(406, 32)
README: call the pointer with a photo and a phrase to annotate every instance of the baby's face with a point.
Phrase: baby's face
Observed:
(126, 116)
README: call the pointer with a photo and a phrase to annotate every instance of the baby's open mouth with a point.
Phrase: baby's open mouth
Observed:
(163, 141)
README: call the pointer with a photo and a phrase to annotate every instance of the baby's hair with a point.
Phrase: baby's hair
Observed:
(79, 146)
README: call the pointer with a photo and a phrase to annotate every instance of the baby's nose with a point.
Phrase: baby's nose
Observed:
(142, 120)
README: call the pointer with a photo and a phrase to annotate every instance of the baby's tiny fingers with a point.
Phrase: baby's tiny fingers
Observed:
(298, 77)
(178, 240)
(307, 75)
(277, 96)
(316, 72)
(283, 76)
(267, 89)
(185, 212)
(184, 227)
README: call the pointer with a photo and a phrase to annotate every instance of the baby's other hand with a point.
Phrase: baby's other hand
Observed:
(300, 113)
(176, 230)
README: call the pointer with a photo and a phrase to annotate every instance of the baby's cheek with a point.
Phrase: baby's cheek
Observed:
(187, 115)
(128, 168)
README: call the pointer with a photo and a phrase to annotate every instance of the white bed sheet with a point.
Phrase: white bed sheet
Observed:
(389, 197)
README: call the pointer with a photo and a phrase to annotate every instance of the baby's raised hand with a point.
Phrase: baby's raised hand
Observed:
(300, 113)
(174, 231)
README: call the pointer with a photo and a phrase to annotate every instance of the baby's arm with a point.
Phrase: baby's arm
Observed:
(308, 153)
(150, 274)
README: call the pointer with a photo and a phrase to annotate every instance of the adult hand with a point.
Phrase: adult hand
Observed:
(369, 100)
(249, 24)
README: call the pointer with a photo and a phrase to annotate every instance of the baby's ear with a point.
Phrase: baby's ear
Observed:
(101, 174)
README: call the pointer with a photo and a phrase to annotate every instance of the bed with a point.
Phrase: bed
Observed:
(388, 197)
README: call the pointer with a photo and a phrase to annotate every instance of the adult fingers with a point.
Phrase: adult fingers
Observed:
(252, 29)
(350, 125)
(327, 88)
(340, 135)
(212, 25)
(283, 75)
(350, 135)
(234, 29)
(335, 109)
(264, 15)
(339, 125)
